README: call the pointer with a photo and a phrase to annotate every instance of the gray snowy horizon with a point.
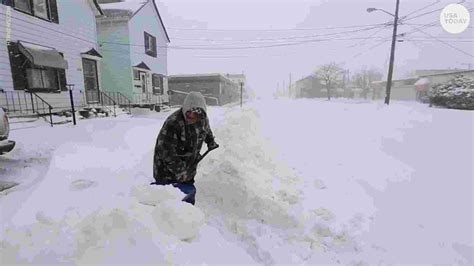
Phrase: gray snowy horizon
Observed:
(273, 41)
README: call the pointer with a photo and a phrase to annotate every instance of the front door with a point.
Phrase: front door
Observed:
(144, 83)
(91, 80)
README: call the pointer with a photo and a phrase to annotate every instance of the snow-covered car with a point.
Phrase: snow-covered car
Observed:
(6, 145)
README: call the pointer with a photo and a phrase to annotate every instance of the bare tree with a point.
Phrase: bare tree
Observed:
(329, 74)
(364, 78)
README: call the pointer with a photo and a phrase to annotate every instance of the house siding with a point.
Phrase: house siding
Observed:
(75, 34)
(116, 71)
(147, 20)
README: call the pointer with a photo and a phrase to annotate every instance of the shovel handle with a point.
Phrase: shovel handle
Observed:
(208, 150)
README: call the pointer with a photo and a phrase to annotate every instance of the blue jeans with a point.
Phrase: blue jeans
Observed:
(189, 190)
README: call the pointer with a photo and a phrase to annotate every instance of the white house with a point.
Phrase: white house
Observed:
(133, 41)
(46, 44)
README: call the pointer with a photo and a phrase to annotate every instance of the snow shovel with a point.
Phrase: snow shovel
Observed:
(208, 150)
(196, 163)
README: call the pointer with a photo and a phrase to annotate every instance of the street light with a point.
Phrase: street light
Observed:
(392, 51)
(372, 9)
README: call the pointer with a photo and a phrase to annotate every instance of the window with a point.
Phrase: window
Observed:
(150, 45)
(40, 8)
(136, 74)
(157, 82)
(27, 76)
(44, 9)
(42, 79)
(23, 5)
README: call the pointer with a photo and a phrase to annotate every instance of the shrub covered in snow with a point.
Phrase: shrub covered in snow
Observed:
(458, 93)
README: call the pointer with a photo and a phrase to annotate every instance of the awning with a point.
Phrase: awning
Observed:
(42, 56)
(142, 65)
(92, 52)
(422, 84)
(422, 81)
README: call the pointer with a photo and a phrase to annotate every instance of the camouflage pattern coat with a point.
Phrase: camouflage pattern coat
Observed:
(177, 148)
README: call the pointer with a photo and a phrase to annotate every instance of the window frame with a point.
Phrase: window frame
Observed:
(136, 74)
(150, 40)
(51, 9)
(160, 84)
(43, 73)
(19, 65)
(47, 10)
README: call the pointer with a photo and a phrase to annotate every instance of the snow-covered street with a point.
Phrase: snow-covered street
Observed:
(293, 182)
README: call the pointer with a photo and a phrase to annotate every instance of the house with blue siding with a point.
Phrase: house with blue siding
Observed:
(133, 42)
(47, 47)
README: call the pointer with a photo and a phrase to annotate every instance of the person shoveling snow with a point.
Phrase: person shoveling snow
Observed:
(178, 145)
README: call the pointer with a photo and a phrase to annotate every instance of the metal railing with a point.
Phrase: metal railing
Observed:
(25, 103)
(43, 105)
(17, 102)
(120, 99)
(98, 99)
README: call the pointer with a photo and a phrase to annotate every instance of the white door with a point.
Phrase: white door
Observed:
(144, 85)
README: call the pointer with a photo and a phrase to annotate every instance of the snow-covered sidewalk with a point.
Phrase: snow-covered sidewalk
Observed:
(294, 182)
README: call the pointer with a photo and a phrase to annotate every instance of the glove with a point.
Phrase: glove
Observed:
(212, 145)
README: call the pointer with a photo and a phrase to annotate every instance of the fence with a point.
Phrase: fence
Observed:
(147, 99)
(25, 103)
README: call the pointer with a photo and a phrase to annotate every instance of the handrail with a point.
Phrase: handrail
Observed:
(127, 100)
(121, 99)
(43, 102)
(109, 98)
(17, 103)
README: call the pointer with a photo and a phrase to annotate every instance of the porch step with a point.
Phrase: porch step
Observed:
(19, 120)
(22, 115)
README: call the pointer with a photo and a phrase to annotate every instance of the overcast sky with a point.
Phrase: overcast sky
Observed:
(202, 32)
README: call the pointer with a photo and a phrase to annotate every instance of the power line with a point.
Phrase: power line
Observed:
(423, 8)
(283, 38)
(220, 46)
(425, 26)
(263, 46)
(427, 13)
(50, 29)
(193, 47)
(370, 48)
(271, 30)
(360, 43)
(447, 44)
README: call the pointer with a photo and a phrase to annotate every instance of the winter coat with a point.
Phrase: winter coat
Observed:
(178, 144)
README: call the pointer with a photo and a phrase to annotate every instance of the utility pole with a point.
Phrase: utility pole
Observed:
(468, 65)
(283, 89)
(392, 55)
(241, 85)
(289, 88)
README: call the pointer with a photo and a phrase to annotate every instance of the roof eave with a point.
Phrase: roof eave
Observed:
(98, 7)
(161, 21)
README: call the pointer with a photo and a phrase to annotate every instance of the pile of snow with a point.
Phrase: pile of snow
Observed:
(94, 204)
(293, 182)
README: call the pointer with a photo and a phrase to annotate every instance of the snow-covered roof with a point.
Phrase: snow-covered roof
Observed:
(128, 7)
(422, 81)
(196, 75)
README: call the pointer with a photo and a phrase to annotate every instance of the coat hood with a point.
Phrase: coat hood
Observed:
(192, 100)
